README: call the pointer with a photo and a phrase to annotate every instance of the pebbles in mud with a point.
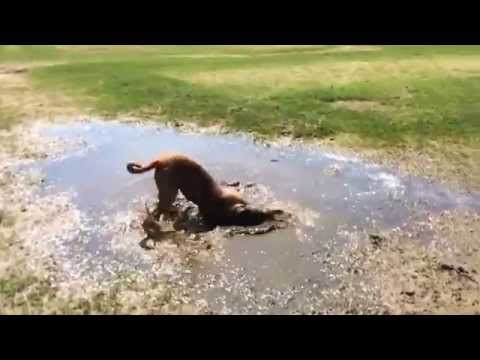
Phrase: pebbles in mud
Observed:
(376, 239)
(436, 277)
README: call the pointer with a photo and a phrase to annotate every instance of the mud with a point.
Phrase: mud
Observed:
(438, 277)
(93, 228)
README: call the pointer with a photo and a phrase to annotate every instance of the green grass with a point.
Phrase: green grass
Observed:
(28, 294)
(257, 89)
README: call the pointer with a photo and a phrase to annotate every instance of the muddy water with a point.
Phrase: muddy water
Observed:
(279, 272)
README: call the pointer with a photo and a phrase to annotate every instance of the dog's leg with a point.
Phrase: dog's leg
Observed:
(167, 193)
(171, 212)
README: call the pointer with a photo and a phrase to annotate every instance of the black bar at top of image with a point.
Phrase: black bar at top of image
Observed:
(94, 37)
(241, 23)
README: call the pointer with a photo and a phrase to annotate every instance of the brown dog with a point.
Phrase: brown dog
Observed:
(217, 205)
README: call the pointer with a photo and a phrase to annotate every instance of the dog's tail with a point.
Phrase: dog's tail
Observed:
(136, 168)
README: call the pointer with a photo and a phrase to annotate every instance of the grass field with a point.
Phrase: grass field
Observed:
(384, 95)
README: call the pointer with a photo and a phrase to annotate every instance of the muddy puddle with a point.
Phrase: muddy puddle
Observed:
(280, 272)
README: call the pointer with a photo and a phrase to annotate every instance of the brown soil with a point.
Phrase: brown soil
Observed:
(432, 269)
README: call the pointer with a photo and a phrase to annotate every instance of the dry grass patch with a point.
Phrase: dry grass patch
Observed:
(19, 98)
(336, 73)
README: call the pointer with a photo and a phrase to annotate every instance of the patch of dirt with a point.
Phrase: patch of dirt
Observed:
(336, 49)
(431, 269)
(361, 106)
(12, 70)
(18, 96)
(207, 56)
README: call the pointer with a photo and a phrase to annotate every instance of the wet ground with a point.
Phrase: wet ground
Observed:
(286, 271)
